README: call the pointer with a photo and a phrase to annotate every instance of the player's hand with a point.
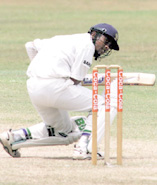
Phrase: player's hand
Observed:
(76, 82)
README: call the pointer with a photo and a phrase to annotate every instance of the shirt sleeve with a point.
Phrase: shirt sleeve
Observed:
(82, 64)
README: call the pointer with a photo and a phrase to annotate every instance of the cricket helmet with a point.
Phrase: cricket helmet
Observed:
(107, 30)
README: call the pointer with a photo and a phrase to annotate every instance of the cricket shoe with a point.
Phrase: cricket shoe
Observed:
(81, 153)
(6, 139)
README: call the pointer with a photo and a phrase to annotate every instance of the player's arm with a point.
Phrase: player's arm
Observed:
(31, 50)
(83, 62)
(33, 47)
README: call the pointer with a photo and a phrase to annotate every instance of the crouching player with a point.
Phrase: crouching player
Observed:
(57, 67)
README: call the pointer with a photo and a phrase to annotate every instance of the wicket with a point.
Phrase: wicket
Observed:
(107, 112)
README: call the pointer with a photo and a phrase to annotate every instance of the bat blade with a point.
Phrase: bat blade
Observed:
(143, 79)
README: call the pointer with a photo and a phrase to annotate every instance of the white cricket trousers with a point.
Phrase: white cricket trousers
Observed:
(53, 98)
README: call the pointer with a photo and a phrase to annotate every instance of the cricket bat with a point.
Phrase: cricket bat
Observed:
(142, 79)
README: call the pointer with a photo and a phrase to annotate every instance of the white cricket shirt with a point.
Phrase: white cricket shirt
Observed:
(63, 56)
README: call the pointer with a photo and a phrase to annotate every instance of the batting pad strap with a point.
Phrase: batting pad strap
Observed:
(51, 131)
(25, 133)
(29, 133)
(86, 132)
(62, 134)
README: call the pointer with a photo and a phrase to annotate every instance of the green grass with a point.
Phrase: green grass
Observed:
(26, 21)
(22, 21)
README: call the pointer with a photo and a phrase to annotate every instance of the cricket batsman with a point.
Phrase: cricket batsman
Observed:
(57, 67)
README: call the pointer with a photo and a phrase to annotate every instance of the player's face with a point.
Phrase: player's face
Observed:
(102, 45)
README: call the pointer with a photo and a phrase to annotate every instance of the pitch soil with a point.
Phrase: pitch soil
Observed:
(55, 166)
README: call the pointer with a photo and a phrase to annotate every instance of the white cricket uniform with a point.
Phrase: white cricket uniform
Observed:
(53, 93)
(50, 88)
